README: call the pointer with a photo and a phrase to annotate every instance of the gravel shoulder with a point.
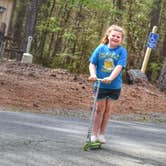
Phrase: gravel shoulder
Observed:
(34, 88)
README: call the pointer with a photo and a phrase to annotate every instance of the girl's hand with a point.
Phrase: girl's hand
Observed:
(92, 78)
(106, 80)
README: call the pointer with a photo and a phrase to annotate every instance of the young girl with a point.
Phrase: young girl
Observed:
(106, 63)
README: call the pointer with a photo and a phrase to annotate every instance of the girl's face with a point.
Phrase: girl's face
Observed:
(115, 39)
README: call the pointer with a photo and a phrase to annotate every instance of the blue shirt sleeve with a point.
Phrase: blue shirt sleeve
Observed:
(94, 57)
(123, 58)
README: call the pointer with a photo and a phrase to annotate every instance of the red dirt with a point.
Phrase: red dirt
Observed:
(34, 87)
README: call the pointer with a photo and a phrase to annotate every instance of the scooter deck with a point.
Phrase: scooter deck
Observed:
(92, 145)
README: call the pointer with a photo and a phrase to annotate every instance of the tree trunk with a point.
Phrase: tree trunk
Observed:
(31, 21)
(163, 52)
(155, 14)
(119, 7)
(64, 18)
(18, 27)
(162, 78)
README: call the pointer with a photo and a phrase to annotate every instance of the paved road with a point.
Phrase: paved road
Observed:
(28, 139)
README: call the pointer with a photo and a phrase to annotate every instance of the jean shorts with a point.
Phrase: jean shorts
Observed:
(107, 93)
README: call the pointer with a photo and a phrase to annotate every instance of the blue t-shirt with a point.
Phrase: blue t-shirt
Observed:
(106, 59)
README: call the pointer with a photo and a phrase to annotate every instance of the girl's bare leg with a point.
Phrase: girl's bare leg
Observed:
(100, 108)
(106, 116)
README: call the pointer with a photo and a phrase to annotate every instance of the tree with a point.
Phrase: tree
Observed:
(31, 21)
(162, 78)
(18, 23)
(66, 31)
(162, 53)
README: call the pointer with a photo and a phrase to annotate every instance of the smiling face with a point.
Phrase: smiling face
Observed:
(115, 38)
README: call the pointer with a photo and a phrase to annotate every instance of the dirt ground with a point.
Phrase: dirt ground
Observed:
(35, 88)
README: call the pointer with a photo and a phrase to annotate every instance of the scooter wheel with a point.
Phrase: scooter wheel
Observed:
(86, 146)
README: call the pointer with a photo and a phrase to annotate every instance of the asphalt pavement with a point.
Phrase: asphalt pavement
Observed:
(28, 139)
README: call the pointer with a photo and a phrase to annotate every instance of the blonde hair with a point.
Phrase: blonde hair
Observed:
(105, 39)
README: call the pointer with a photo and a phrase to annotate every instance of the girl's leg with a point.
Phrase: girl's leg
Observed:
(106, 116)
(100, 108)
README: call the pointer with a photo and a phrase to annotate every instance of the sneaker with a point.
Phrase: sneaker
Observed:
(101, 139)
(93, 138)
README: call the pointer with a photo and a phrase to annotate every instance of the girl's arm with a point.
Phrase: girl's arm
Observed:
(92, 70)
(113, 75)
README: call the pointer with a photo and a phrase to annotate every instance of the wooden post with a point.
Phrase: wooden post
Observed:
(147, 54)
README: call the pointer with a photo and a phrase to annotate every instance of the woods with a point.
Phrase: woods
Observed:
(65, 32)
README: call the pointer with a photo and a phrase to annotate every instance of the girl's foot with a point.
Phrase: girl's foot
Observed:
(93, 138)
(102, 139)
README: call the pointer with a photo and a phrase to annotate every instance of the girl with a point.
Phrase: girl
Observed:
(106, 63)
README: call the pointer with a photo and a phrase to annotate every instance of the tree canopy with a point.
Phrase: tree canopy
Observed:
(67, 31)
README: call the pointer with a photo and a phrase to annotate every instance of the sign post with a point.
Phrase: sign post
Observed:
(136, 75)
(151, 44)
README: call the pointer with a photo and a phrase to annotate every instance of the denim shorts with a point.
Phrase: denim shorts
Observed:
(107, 93)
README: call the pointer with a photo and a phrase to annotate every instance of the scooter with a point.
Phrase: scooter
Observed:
(88, 144)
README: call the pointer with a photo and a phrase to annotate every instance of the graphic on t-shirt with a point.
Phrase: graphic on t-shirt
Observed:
(108, 65)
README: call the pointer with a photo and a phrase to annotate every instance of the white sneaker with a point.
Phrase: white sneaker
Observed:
(93, 138)
(101, 139)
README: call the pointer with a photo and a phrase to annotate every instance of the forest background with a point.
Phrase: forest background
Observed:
(65, 32)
